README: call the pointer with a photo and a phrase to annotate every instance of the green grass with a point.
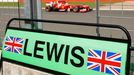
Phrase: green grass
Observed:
(10, 4)
(92, 5)
(43, 4)
(15, 4)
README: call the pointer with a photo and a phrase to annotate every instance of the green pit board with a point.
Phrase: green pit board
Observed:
(66, 53)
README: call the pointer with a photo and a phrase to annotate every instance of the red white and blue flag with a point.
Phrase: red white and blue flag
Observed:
(13, 44)
(102, 61)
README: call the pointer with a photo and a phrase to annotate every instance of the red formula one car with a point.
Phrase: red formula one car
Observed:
(63, 6)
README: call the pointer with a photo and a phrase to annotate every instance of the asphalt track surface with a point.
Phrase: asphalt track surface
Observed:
(125, 18)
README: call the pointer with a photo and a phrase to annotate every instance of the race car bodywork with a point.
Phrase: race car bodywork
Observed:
(63, 6)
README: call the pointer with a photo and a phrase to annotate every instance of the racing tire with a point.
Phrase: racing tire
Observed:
(48, 9)
(90, 9)
(76, 9)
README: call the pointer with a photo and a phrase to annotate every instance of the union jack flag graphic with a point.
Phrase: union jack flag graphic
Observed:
(13, 44)
(102, 61)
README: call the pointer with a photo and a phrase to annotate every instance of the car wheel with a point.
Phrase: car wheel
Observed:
(90, 9)
(76, 9)
(48, 9)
